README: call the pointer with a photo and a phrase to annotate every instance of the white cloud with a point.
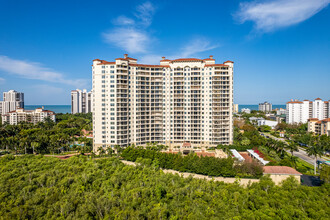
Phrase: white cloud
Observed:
(196, 46)
(132, 39)
(2, 80)
(129, 39)
(192, 48)
(123, 20)
(275, 14)
(32, 70)
(145, 12)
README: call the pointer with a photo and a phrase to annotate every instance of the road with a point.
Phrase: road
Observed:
(301, 153)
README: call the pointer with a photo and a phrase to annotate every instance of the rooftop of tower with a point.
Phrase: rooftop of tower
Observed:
(165, 62)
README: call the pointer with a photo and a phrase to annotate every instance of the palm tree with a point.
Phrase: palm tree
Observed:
(292, 147)
(109, 151)
(101, 151)
(315, 150)
(294, 160)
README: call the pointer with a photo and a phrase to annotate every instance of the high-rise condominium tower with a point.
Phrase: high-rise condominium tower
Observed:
(301, 111)
(178, 101)
(11, 101)
(81, 101)
(265, 107)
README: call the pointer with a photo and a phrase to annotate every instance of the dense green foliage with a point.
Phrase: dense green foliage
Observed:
(236, 147)
(46, 137)
(210, 166)
(80, 188)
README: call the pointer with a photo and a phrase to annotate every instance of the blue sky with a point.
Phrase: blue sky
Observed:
(281, 48)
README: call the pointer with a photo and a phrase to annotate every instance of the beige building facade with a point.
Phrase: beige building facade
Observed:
(31, 116)
(320, 127)
(182, 100)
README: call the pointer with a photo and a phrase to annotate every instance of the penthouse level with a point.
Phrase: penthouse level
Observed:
(177, 101)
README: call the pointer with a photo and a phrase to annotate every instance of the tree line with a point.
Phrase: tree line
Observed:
(37, 187)
(48, 136)
(210, 166)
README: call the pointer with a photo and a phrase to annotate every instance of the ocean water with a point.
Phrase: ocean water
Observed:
(54, 108)
(256, 107)
(67, 108)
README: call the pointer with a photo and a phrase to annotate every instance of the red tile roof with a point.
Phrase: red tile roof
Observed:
(186, 59)
(207, 65)
(228, 61)
(318, 99)
(106, 62)
(147, 65)
(205, 154)
(313, 119)
(280, 170)
(294, 102)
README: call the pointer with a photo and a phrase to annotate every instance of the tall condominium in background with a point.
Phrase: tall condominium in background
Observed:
(81, 101)
(265, 107)
(301, 111)
(178, 101)
(11, 101)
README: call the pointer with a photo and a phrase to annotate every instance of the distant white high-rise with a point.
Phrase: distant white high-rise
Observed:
(81, 101)
(301, 111)
(265, 107)
(11, 101)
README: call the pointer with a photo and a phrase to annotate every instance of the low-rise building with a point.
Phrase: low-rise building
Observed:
(269, 123)
(280, 173)
(31, 116)
(246, 110)
(280, 111)
(320, 127)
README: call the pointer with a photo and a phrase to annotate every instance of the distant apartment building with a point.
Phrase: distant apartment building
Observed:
(235, 108)
(265, 107)
(30, 116)
(246, 110)
(280, 111)
(269, 123)
(301, 111)
(182, 100)
(11, 101)
(81, 101)
(320, 127)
